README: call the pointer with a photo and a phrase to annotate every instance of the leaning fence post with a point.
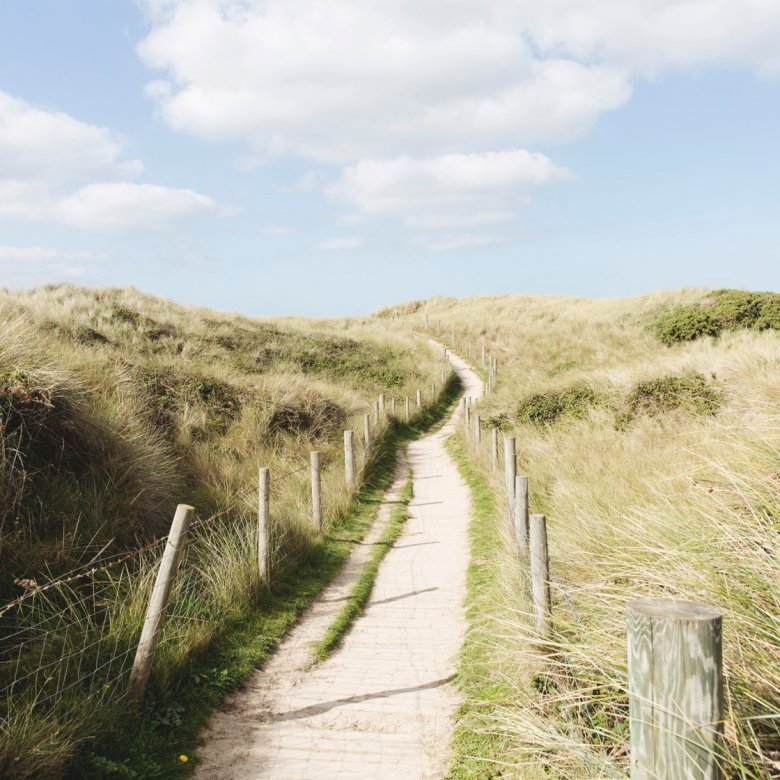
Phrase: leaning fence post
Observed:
(521, 514)
(367, 430)
(494, 446)
(510, 472)
(316, 491)
(675, 689)
(349, 458)
(540, 574)
(158, 603)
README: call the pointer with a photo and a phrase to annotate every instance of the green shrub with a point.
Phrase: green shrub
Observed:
(722, 310)
(547, 408)
(689, 391)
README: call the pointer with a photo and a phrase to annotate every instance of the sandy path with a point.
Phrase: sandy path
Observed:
(383, 705)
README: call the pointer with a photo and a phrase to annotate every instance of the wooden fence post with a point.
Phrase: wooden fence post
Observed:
(675, 689)
(419, 399)
(407, 408)
(316, 491)
(467, 417)
(264, 526)
(349, 458)
(521, 514)
(367, 430)
(540, 574)
(494, 446)
(158, 603)
(477, 432)
(382, 405)
(510, 472)
(392, 407)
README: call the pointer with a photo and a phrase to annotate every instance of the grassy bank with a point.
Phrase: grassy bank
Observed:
(653, 448)
(115, 407)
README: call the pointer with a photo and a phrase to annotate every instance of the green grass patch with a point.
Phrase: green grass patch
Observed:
(543, 409)
(477, 747)
(364, 587)
(722, 310)
(150, 742)
(689, 391)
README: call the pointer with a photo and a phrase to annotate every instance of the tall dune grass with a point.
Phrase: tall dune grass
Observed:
(662, 482)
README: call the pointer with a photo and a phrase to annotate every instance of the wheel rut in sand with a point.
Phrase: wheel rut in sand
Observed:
(383, 705)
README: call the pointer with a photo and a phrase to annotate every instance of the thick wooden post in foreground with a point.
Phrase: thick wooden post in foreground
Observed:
(349, 458)
(521, 514)
(510, 472)
(367, 430)
(263, 526)
(540, 574)
(494, 446)
(675, 689)
(316, 491)
(158, 603)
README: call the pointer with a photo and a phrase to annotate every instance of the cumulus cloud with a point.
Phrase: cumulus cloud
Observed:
(56, 168)
(334, 80)
(337, 80)
(439, 192)
(339, 244)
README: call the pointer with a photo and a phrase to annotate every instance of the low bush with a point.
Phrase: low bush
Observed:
(547, 408)
(690, 392)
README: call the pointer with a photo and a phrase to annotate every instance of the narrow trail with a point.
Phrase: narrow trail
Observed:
(383, 705)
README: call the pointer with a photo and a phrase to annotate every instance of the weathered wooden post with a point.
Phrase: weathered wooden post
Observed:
(349, 458)
(158, 603)
(264, 527)
(540, 574)
(675, 689)
(407, 408)
(367, 430)
(392, 407)
(467, 416)
(382, 405)
(316, 491)
(494, 446)
(521, 514)
(376, 412)
(477, 432)
(510, 472)
(419, 399)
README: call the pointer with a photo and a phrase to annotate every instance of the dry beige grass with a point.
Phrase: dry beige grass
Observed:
(644, 496)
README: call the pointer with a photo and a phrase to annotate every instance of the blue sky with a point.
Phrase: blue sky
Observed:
(329, 157)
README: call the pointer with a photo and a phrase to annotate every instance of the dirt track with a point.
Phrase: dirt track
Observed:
(382, 705)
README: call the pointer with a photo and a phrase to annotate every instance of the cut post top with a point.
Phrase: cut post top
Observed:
(674, 609)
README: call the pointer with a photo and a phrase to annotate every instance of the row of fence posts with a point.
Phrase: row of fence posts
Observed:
(174, 548)
(675, 667)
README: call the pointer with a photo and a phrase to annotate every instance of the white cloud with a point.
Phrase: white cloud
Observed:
(58, 169)
(452, 242)
(454, 189)
(336, 80)
(37, 144)
(122, 205)
(339, 80)
(339, 244)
